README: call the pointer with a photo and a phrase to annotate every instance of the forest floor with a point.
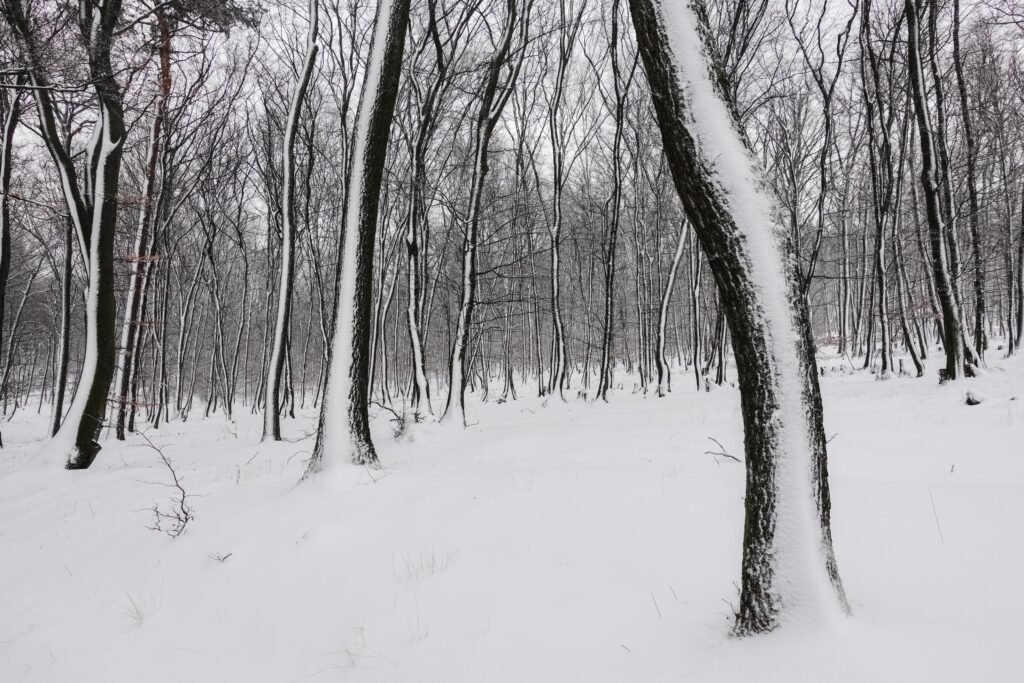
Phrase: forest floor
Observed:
(557, 542)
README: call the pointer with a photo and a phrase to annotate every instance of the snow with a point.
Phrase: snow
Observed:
(801, 583)
(546, 542)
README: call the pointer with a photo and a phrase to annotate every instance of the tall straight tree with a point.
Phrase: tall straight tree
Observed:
(272, 401)
(497, 87)
(621, 85)
(430, 100)
(10, 110)
(879, 122)
(131, 325)
(788, 564)
(92, 205)
(344, 429)
(570, 20)
(973, 209)
(952, 324)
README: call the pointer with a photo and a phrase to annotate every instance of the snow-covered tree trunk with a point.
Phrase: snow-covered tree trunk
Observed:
(93, 210)
(420, 398)
(664, 373)
(344, 430)
(272, 400)
(89, 408)
(952, 322)
(789, 570)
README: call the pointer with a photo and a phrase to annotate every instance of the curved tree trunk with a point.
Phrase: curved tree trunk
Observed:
(93, 211)
(272, 401)
(788, 563)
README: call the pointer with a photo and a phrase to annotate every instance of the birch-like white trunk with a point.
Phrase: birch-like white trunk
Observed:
(664, 372)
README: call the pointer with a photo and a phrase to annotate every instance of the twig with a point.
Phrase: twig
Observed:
(721, 451)
(173, 522)
(936, 514)
(660, 616)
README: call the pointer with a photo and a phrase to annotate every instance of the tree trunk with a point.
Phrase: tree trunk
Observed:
(344, 428)
(788, 562)
(94, 214)
(495, 94)
(664, 373)
(272, 401)
(980, 342)
(951, 322)
(10, 106)
(131, 328)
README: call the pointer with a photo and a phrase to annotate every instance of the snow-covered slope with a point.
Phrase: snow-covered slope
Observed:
(545, 543)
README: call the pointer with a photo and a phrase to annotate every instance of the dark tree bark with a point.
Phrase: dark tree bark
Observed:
(64, 352)
(787, 496)
(93, 211)
(131, 328)
(980, 341)
(10, 107)
(496, 90)
(272, 401)
(951, 323)
(344, 428)
(570, 22)
(621, 88)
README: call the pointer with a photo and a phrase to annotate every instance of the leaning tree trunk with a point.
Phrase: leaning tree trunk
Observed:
(344, 429)
(788, 564)
(64, 345)
(89, 408)
(272, 400)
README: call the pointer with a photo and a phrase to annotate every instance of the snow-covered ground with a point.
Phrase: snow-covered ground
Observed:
(576, 542)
